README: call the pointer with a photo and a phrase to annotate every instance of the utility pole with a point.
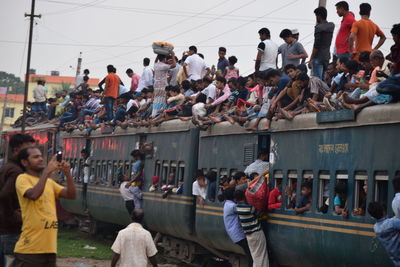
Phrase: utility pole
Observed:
(78, 69)
(32, 16)
(3, 115)
(322, 3)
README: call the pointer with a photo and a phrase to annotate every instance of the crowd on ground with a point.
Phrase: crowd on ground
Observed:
(358, 75)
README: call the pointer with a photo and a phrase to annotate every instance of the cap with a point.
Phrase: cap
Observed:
(295, 31)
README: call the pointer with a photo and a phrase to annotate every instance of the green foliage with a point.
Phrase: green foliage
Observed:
(10, 80)
(71, 243)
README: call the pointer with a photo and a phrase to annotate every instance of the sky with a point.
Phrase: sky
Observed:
(120, 32)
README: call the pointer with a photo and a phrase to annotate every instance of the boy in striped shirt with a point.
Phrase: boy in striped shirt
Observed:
(251, 227)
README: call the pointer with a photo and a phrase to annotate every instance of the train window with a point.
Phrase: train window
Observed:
(360, 193)
(232, 172)
(104, 173)
(181, 176)
(223, 172)
(157, 168)
(98, 172)
(205, 171)
(291, 189)
(323, 191)
(110, 172)
(381, 186)
(340, 197)
(164, 174)
(173, 169)
(116, 176)
(278, 175)
(127, 168)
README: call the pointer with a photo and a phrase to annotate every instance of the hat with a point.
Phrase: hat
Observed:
(295, 31)
(155, 179)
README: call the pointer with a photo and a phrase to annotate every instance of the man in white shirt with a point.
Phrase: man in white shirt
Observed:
(127, 195)
(39, 94)
(267, 52)
(194, 65)
(199, 187)
(134, 245)
(210, 90)
(146, 79)
(259, 165)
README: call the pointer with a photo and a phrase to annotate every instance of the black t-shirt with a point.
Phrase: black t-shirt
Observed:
(261, 46)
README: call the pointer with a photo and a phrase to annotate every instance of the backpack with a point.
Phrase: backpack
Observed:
(258, 192)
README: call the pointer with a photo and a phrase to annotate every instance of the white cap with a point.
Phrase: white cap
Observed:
(295, 31)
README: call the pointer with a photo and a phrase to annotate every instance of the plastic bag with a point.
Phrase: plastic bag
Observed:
(257, 194)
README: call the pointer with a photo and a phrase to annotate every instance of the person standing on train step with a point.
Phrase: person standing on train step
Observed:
(134, 245)
(10, 213)
(137, 193)
(251, 226)
(86, 174)
(199, 187)
(37, 245)
(126, 194)
(396, 200)
(387, 230)
(259, 165)
(232, 224)
(111, 90)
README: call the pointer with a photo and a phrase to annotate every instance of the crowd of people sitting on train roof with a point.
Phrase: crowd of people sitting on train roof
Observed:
(188, 89)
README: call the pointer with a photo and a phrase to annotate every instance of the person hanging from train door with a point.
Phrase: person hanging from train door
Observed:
(396, 199)
(86, 174)
(387, 230)
(10, 213)
(251, 226)
(232, 224)
(137, 166)
(37, 194)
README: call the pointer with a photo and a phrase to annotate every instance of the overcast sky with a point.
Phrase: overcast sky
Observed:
(120, 32)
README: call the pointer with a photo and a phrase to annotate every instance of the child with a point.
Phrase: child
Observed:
(387, 230)
(396, 200)
(339, 202)
(304, 202)
(231, 71)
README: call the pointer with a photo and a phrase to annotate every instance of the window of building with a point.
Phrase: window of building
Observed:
(323, 191)
(360, 193)
(9, 113)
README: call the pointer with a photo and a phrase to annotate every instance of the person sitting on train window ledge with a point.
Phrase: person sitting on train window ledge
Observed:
(372, 97)
(134, 245)
(387, 230)
(259, 165)
(154, 183)
(169, 186)
(240, 180)
(10, 213)
(212, 185)
(232, 224)
(199, 187)
(137, 193)
(37, 195)
(275, 196)
(126, 194)
(251, 227)
(339, 202)
(396, 199)
(304, 202)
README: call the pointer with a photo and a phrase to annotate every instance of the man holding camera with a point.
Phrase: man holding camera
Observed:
(37, 245)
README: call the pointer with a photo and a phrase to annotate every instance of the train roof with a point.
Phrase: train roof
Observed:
(37, 127)
(375, 115)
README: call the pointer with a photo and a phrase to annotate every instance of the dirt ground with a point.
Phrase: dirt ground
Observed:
(83, 262)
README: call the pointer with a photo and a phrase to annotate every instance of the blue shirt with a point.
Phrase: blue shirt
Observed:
(232, 222)
(388, 232)
(337, 201)
(283, 81)
(396, 205)
(302, 202)
(222, 64)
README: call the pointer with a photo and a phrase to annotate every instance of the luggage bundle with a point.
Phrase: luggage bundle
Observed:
(162, 48)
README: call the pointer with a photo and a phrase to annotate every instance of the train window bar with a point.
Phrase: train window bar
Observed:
(291, 188)
(164, 177)
(157, 168)
(173, 169)
(110, 172)
(182, 166)
(223, 171)
(104, 173)
(360, 194)
(381, 186)
(323, 191)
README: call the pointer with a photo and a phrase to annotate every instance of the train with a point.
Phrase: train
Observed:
(324, 148)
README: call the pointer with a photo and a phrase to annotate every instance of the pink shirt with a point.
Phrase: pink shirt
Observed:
(135, 82)
(226, 94)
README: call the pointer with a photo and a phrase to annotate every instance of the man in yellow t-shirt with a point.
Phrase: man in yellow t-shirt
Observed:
(37, 245)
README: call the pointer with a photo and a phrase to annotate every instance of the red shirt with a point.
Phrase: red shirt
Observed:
(112, 85)
(273, 202)
(342, 45)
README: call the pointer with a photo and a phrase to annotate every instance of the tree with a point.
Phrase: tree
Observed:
(10, 80)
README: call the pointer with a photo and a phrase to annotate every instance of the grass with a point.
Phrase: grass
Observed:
(71, 243)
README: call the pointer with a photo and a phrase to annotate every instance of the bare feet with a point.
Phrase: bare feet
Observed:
(214, 119)
(266, 126)
(185, 118)
(230, 119)
(287, 114)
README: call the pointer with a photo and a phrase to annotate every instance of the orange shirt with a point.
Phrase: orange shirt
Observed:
(112, 85)
(365, 31)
